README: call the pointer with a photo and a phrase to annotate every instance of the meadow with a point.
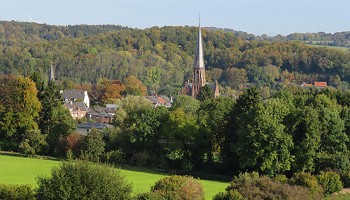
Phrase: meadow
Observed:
(21, 170)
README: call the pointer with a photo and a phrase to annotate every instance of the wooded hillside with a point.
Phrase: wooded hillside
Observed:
(162, 57)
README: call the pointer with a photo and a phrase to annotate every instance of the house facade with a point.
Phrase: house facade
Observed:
(77, 109)
(101, 115)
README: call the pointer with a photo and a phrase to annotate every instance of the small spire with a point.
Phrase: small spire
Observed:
(199, 15)
(52, 73)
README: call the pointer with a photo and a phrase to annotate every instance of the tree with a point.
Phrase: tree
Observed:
(142, 128)
(33, 142)
(19, 107)
(113, 91)
(133, 86)
(213, 121)
(181, 132)
(304, 126)
(187, 103)
(206, 93)
(81, 180)
(72, 144)
(95, 145)
(214, 74)
(55, 120)
(333, 151)
(235, 77)
(262, 142)
(236, 118)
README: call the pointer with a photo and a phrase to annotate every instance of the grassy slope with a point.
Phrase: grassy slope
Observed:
(19, 170)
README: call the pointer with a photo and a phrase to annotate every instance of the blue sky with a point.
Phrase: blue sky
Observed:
(253, 16)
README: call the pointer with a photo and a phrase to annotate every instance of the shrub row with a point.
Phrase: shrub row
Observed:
(300, 186)
(16, 192)
(79, 180)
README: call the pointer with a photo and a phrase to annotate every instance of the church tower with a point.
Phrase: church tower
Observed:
(52, 73)
(198, 80)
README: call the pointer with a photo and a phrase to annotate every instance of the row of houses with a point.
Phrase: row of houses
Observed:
(78, 104)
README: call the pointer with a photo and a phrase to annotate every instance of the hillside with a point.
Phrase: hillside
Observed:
(339, 39)
(162, 57)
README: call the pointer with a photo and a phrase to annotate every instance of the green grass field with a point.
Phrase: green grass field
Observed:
(19, 170)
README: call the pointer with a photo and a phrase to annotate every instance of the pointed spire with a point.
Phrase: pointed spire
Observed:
(199, 58)
(52, 74)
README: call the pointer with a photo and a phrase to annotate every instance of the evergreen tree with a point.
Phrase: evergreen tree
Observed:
(55, 119)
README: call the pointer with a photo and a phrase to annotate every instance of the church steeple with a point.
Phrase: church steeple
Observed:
(199, 58)
(198, 66)
(52, 73)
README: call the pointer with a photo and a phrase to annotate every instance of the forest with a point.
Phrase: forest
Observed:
(162, 57)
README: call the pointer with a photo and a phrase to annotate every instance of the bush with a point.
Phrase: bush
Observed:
(178, 188)
(251, 186)
(150, 196)
(71, 144)
(79, 180)
(330, 182)
(309, 181)
(16, 192)
(281, 178)
(230, 195)
(115, 156)
(33, 142)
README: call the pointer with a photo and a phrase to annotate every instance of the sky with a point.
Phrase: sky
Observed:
(269, 17)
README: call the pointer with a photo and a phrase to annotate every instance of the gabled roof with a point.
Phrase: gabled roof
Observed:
(101, 111)
(159, 100)
(73, 94)
(74, 106)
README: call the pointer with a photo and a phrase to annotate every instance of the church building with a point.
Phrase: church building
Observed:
(198, 80)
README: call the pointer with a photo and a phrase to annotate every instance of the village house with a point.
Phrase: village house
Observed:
(76, 96)
(77, 109)
(101, 114)
(160, 100)
(77, 102)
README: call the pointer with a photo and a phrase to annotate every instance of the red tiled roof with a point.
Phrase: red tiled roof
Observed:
(320, 84)
(161, 100)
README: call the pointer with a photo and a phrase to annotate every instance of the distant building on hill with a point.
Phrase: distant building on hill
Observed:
(316, 84)
(320, 84)
(198, 80)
